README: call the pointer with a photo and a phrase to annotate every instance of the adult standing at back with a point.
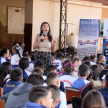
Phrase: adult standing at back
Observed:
(44, 44)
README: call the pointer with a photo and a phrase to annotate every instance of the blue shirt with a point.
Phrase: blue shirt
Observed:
(79, 83)
(33, 105)
(58, 104)
(9, 86)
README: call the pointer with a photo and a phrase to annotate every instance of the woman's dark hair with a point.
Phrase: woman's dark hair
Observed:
(49, 32)
(86, 58)
(23, 63)
(102, 73)
(92, 57)
(5, 69)
(3, 51)
(95, 72)
(68, 68)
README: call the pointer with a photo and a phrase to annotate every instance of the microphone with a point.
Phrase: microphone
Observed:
(43, 34)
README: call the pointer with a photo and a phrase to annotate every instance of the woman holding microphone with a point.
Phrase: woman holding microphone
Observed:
(44, 44)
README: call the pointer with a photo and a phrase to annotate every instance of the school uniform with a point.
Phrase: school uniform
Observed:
(9, 86)
(63, 102)
(26, 74)
(92, 63)
(79, 83)
(31, 66)
(33, 105)
(67, 79)
(15, 60)
(104, 92)
(2, 59)
(58, 64)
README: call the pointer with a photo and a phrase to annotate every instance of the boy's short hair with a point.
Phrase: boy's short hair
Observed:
(38, 71)
(37, 93)
(35, 79)
(16, 74)
(83, 70)
(39, 63)
(106, 80)
(87, 63)
(52, 77)
(55, 92)
(50, 68)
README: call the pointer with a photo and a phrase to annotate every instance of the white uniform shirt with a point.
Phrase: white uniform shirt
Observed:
(92, 63)
(15, 59)
(68, 80)
(63, 103)
(2, 59)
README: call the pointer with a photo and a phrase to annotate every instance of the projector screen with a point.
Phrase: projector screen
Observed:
(16, 20)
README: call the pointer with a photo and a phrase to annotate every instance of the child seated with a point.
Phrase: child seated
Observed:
(81, 81)
(104, 91)
(68, 74)
(53, 79)
(31, 64)
(23, 64)
(17, 54)
(16, 77)
(51, 68)
(93, 99)
(19, 96)
(57, 62)
(102, 60)
(92, 59)
(40, 72)
(4, 53)
(55, 96)
(40, 97)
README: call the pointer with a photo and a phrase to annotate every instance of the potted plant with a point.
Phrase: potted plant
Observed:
(72, 40)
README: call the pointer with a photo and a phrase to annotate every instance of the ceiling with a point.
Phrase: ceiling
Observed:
(104, 2)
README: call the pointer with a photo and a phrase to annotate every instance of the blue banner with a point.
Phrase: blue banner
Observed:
(88, 37)
(105, 38)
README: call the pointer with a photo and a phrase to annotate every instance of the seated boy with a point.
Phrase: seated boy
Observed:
(18, 97)
(16, 77)
(55, 96)
(81, 81)
(40, 97)
(40, 72)
(40, 64)
(104, 91)
(53, 79)
(51, 68)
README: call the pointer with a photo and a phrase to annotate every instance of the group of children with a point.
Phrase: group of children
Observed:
(28, 84)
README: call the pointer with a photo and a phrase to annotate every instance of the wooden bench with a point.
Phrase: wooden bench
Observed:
(70, 92)
(1, 92)
(1, 104)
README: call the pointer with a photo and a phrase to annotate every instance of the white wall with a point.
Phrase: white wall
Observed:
(48, 10)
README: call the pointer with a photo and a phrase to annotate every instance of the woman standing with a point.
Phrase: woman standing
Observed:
(45, 47)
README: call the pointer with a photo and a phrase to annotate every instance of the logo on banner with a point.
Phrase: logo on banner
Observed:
(88, 42)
